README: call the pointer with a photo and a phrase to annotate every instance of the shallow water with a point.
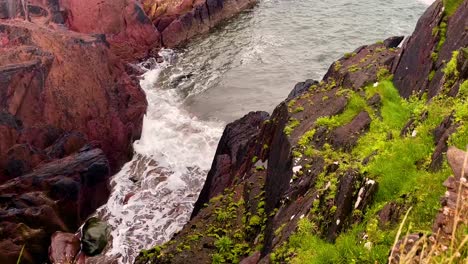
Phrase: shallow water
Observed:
(249, 63)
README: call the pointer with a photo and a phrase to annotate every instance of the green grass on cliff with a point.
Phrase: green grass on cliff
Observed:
(355, 105)
(401, 167)
(451, 6)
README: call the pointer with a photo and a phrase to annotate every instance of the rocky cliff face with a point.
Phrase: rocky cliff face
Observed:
(69, 112)
(180, 20)
(329, 175)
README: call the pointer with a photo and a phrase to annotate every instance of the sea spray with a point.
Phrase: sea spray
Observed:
(153, 195)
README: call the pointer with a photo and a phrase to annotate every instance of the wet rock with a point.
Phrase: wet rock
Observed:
(94, 236)
(393, 42)
(180, 20)
(230, 155)
(63, 248)
(301, 88)
(57, 196)
(253, 259)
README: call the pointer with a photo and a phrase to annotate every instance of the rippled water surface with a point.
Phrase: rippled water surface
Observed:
(254, 61)
(249, 63)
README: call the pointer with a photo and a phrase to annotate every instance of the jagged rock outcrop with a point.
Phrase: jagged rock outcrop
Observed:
(180, 20)
(127, 29)
(419, 68)
(44, 81)
(230, 156)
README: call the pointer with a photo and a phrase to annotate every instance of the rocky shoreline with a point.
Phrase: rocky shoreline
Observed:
(70, 108)
(329, 176)
(323, 167)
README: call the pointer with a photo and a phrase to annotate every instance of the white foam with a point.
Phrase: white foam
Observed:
(166, 174)
(427, 2)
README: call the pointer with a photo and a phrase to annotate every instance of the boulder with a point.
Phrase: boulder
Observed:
(63, 248)
(94, 236)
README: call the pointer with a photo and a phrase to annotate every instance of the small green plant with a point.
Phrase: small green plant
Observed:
(306, 138)
(353, 68)
(431, 75)
(450, 6)
(298, 109)
(338, 65)
(292, 124)
(383, 74)
(254, 159)
(355, 105)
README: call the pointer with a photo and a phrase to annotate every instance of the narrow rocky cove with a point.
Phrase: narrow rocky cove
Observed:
(111, 113)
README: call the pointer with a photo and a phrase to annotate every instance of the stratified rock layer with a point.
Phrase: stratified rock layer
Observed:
(180, 20)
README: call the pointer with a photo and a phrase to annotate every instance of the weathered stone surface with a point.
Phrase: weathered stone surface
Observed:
(230, 156)
(361, 67)
(410, 78)
(39, 80)
(301, 88)
(63, 248)
(346, 137)
(128, 30)
(57, 196)
(180, 20)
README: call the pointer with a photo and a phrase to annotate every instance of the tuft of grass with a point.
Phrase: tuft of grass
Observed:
(451, 6)
(20, 255)
(355, 105)
(298, 109)
(306, 138)
(292, 124)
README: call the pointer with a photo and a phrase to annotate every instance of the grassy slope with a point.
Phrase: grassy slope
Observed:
(400, 168)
